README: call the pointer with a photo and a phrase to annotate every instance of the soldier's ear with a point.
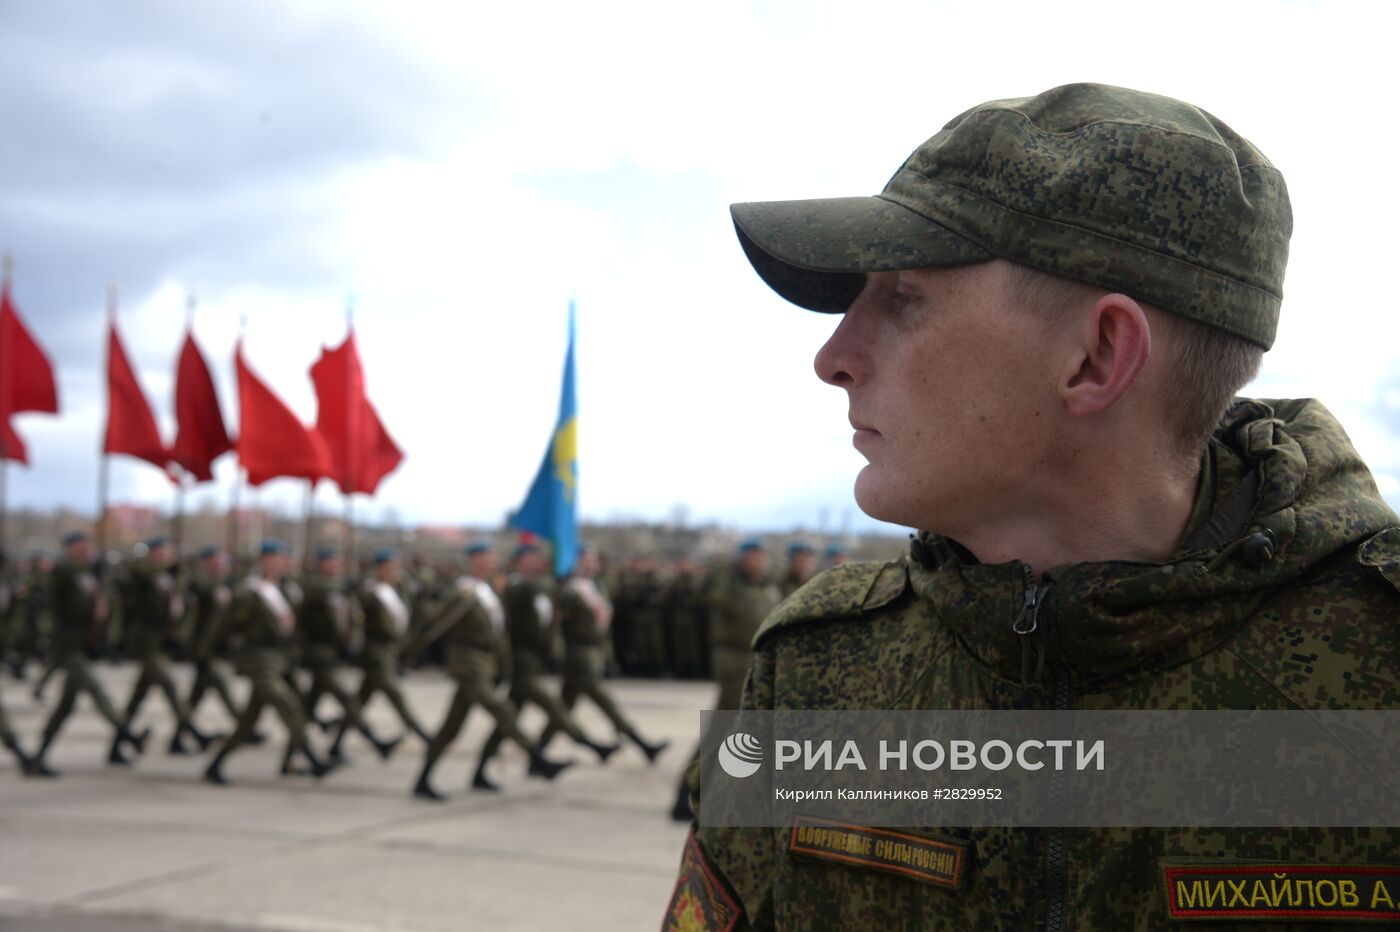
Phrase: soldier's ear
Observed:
(1109, 345)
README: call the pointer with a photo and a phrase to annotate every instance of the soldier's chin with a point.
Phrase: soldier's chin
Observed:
(873, 497)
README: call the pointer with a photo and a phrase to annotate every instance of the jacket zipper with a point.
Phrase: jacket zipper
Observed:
(1056, 857)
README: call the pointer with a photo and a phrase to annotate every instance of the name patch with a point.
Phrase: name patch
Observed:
(1272, 890)
(936, 860)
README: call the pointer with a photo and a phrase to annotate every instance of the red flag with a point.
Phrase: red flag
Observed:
(11, 444)
(362, 452)
(271, 441)
(26, 377)
(200, 436)
(131, 427)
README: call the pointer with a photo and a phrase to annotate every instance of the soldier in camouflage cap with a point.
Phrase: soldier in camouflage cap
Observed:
(1047, 314)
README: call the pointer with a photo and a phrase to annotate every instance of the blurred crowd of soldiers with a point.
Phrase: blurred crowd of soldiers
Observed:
(495, 629)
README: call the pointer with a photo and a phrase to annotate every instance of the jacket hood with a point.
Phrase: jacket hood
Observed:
(1284, 492)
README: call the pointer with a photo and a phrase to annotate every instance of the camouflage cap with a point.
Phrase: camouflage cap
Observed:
(1112, 187)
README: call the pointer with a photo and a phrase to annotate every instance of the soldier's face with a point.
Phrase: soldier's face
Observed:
(80, 551)
(950, 392)
(483, 565)
(754, 564)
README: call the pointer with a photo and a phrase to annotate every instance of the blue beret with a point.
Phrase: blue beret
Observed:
(270, 547)
(210, 551)
(384, 555)
(326, 553)
(72, 537)
(751, 544)
(799, 546)
(478, 546)
(160, 540)
(835, 550)
(523, 549)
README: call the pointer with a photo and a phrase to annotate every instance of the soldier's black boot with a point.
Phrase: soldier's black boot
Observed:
(424, 790)
(215, 772)
(541, 766)
(319, 767)
(21, 758)
(115, 757)
(652, 751)
(682, 810)
(137, 741)
(386, 748)
(177, 743)
(482, 782)
(200, 738)
(604, 751)
(335, 753)
(288, 769)
(37, 767)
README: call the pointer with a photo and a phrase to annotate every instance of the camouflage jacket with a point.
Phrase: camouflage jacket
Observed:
(529, 607)
(73, 592)
(262, 628)
(153, 607)
(323, 621)
(386, 618)
(207, 603)
(473, 632)
(739, 606)
(1224, 624)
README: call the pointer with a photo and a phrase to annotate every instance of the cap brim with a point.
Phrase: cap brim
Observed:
(816, 253)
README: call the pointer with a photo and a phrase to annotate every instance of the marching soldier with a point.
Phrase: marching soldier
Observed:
(209, 600)
(324, 628)
(584, 615)
(471, 622)
(155, 607)
(79, 609)
(261, 626)
(386, 623)
(529, 612)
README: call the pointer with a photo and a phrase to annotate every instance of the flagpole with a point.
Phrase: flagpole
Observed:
(306, 526)
(177, 523)
(231, 524)
(350, 442)
(6, 267)
(103, 476)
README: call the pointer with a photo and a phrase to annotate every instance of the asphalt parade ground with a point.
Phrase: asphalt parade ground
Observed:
(111, 849)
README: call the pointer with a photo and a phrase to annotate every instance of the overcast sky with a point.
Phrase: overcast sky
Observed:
(464, 169)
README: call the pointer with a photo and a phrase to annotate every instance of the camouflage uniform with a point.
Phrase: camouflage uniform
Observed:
(529, 614)
(75, 592)
(154, 608)
(1225, 624)
(689, 625)
(1281, 595)
(323, 628)
(471, 623)
(208, 604)
(739, 607)
(386, 623)
(585, 650)
(261, 630)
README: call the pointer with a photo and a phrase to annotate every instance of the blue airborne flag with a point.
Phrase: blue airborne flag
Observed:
(551, 507)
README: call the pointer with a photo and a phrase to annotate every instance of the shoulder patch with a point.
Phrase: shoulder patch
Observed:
(840, 592)
(1382, 554)
(700, 903)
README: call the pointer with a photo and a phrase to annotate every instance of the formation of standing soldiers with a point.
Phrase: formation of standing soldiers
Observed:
(291, 640)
